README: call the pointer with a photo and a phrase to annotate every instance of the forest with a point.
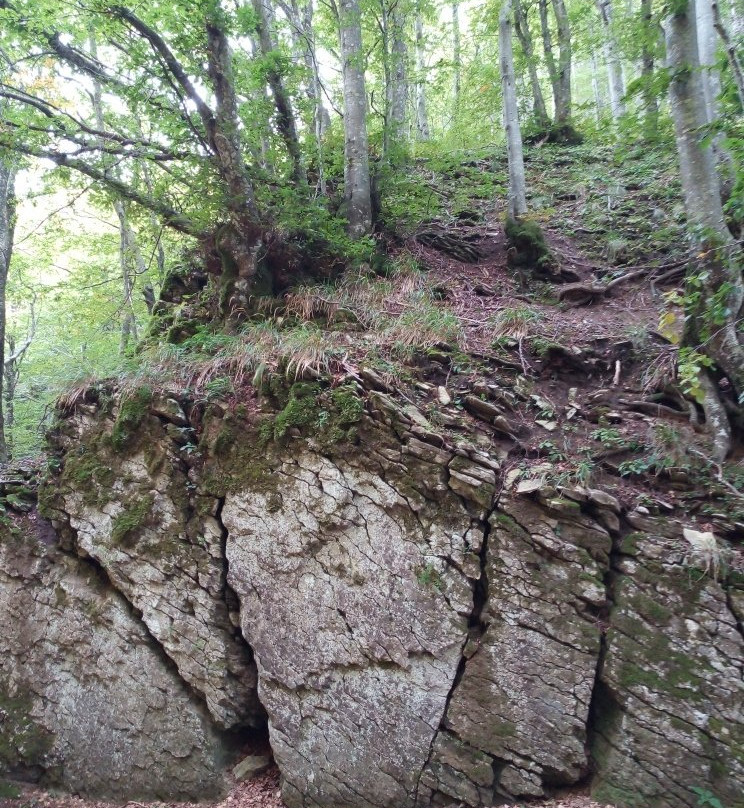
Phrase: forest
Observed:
(372, 403)
(287, 149)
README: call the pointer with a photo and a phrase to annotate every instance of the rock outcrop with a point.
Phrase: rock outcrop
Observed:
(414, 631)
(86, 698)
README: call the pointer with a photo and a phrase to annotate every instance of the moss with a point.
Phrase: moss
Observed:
(87, 470)
(22, 741)
(629, 544)
(301, 410)
(132, 412)
(9, 791)
(131, 520)
(527, 244)
(224, 441)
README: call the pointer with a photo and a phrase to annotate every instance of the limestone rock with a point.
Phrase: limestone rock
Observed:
(672, 686)
(523, 699)
(251, 766)
(357, 621)
(85, 699)
(164, 553)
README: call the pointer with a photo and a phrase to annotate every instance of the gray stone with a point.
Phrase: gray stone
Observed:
(251, 766)
(85, 697)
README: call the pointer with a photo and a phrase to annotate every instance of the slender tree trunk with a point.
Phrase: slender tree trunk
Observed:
(398, 90)
(285, 116)
(650, 104)
(706, 43)
(716, 259)
(303, 40)
(7, 227)
(550, 64)
(422, 117)
(132, 264)
(456, 57)
(522, 29)
(732, 54)
(517, 198)
(563, 101)
(127, 239)
(357, 183)
(612, 57)
(598, 100)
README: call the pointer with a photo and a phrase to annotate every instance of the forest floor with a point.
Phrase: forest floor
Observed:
(260, 792)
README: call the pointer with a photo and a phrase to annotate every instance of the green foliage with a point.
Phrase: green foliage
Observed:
(9, 791)
(690, 365)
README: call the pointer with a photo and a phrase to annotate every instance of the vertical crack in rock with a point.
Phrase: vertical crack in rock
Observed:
(604, 707)
(736, 609)
(475, 631)
(100, 707)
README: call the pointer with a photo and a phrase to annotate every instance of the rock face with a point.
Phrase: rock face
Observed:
(84, 695)
(345, 602)
(417, 632)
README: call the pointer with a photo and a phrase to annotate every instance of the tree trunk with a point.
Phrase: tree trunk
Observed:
(303, 40)
(522, 28)
(239, 243)
(598, 100)
(715, 288)
(422, 118)
(398, 89)
(563, 99)
(7, 227)
(550, 64)
(285, 117)
(706, 44)
(456, 57)
(732, 54)
(650, 104)
(357, 186)
(132, 264)
(612, 57)
(517, 195)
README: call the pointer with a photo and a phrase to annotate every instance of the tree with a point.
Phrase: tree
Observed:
(357, 183)
(194, 141)
(560, 72)
(715, 291)
(517, 194)
(615, 77)
(521, 24)
(7, 226)
(422, 116)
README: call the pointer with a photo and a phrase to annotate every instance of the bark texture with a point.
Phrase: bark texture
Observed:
(517, 195)
(716, 257)
(357, 184)
(7, 227)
